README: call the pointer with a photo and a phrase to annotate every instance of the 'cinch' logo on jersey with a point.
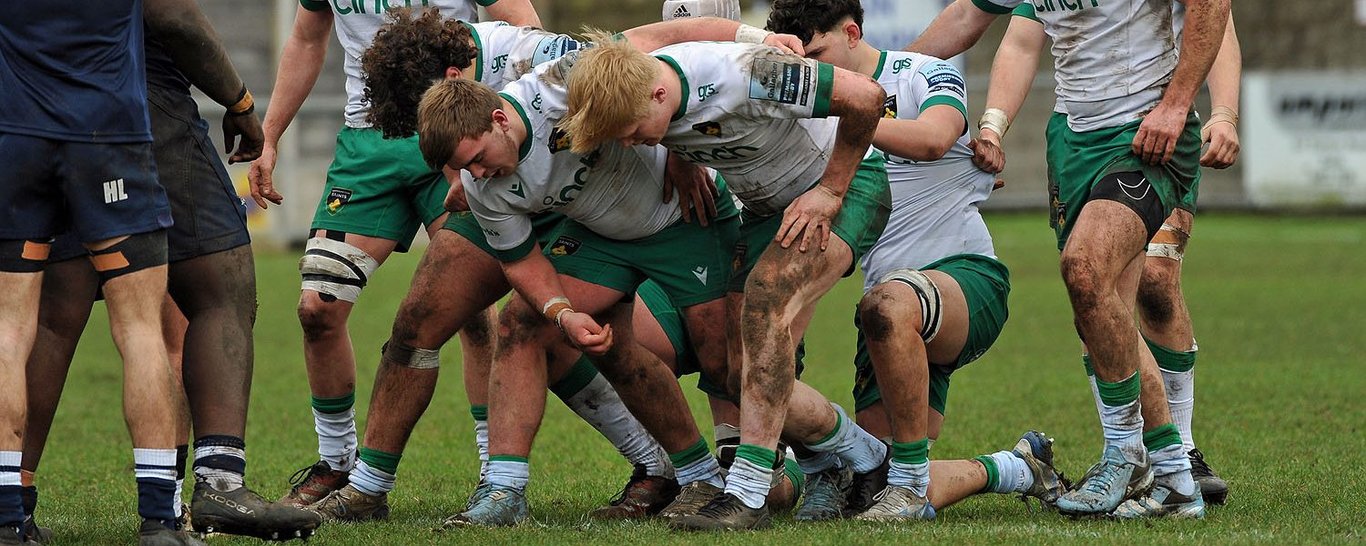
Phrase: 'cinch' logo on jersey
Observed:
(722, 153)
(709, 128)
(113, 191)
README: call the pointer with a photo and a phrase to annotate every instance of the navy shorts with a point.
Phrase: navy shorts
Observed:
(96, 191)
(209, 216)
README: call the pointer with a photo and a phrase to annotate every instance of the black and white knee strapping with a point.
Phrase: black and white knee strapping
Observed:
(1170, 242)
(410, 357)
(931, 304)
(335, 269)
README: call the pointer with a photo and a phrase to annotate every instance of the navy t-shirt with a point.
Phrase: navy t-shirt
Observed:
(74, 71)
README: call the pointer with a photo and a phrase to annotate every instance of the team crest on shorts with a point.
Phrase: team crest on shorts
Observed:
(336, 199)
(738, 260)
(889, 107)
(709, 128)
(564, 246)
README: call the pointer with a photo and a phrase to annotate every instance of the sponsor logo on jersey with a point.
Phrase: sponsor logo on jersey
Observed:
(498, 63)
(901, 64)
(781, 81)
(889, 107)
(113, 191)
(682, 12)
(336, 199)
(553, 48)
(705, 91)
(1059, 5)
(709, 128)
(570, 192)
(940, 75)
(559, 140)
(565, 246)
(720, 153)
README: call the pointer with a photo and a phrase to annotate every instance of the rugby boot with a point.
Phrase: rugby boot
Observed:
(14, 536)
(350, 504)
(243, 512)
(28, 497)
(896, 503)
(826, 495)
(1214, 488)
(724, 512)
(479, 491)
(866, 486)
(497, 507)
(311, 483)
(690, 499)
(1161, 502)
(1036, 450)
(153, 533)
(643, 496)
(1108, 483)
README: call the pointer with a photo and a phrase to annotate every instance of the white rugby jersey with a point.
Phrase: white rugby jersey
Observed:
(1111, 58)
(356, 22)
(934, 203)
(507, 52)
(615, 191)
(755, 115)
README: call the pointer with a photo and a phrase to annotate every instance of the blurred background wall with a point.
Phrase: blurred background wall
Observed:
(1303, 103)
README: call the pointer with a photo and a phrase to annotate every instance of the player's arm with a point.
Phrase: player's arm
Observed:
(1220, 132)
(941, 97)
(957, 28)
(194, 47)
(1204, 32)
(857, 100)
(516, 12)
(300, 64)
(1012, 74)
(707, 29)
(535, 279)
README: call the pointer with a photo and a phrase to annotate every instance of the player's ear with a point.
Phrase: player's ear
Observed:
(453, 73)
(659, 94)
(852, 32)
(500, 119)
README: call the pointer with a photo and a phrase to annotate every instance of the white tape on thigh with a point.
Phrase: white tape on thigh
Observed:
(1170, 243)
(931, 304)
(335, 268)
(412, 357)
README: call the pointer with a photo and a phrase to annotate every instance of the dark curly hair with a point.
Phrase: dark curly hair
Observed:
(805, 18)
(409, 52)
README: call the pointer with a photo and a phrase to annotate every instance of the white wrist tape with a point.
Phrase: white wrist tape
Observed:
(750, 35)
(994, 119)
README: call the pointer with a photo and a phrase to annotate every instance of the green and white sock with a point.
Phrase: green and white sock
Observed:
(856, 447)
(910, 467)
(509, 472)
(1121, 416)
(1006, 473)
(481, 437)
(695, 464)
(1178, 376)
(334, 419)
(593, 399)
(751, 475)
(375, 473)
(1171, 466)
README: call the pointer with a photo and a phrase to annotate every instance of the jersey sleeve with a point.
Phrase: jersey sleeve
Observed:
(508, 233)
(486, 3)
(315, 5)
(1026, 10)
(938, 82)
(781, 85)
(997, 7)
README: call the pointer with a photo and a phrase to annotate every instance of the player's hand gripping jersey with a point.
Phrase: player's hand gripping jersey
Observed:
(747, 110)
(934, 203)
(614, 192)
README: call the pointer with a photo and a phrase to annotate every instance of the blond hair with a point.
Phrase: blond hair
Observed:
(451, 111)
(609, 88)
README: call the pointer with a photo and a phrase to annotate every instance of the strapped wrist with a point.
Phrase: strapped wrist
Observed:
(996, 120)
(244, 104)
(751, 35)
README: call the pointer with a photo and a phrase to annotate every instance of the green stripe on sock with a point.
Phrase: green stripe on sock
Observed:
(334, 405)
(760, 456)
(917, 452)
(508, 458)
(839, 422)
(794, 475)
(380, 460)
(479, 413)
(690, 455)
(1118, 394)
(993, 475)
(1086, 362)
(1169, 360)
(578, 377)
(1164, 436)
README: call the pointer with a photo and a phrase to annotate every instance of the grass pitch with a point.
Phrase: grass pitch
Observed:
(1279, 306)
